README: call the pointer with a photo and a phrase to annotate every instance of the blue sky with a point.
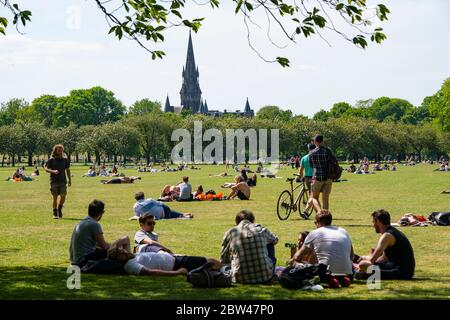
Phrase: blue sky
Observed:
(52, 58)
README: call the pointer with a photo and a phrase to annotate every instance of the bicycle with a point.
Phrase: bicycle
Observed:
(286, 203)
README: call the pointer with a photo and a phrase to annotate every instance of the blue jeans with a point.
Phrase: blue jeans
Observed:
(170, 214)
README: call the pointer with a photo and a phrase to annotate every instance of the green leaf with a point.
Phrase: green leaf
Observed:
(284, 62)
(339, 6)
(238, 6)
(2, 30)
(4, 21)
(177, 13)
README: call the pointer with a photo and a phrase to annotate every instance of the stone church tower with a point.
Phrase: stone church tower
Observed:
(190, 92)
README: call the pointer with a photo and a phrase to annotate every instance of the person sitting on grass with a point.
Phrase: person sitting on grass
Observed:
(250, 181)
(332, 247)
(393, 254)
(156, 208)
(185, 190)
(352, 168)
(239, 189)
(121, 180)
(199, 192)
(87, 242)
(309, 259)
(161, 263)
(90, 173)
(146, 240)
(249, 249)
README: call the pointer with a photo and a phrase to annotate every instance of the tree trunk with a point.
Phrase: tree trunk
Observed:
(13, 163)
(30, 158)
(97, 157)
(77, 158)
(89, 159)
(115, 159)
(3, 161)
(124, 159)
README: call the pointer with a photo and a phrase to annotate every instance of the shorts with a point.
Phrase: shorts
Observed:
(241, 195)
(189, 262)
(321, 186)
(388, 270)
(308, 183)
(58, 189)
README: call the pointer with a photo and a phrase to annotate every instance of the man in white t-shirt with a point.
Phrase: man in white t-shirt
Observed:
(159, 263)
(331, 244)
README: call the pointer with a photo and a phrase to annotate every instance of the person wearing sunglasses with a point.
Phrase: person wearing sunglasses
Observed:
(146, 239)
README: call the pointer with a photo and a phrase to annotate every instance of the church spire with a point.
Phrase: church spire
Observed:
(167, 106)
(247, 110)
(190, 92)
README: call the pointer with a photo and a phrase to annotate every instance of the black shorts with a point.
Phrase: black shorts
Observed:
(189, 262)
(388, 270)
(58, 189)
(241, 195)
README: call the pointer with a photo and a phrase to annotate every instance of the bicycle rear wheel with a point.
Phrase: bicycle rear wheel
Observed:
(303, 204)
(284, 205)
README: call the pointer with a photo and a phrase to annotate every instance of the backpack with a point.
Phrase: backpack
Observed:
(207, 277)
(105, 266)
(293, 277)
(334, 170)
(440, 218)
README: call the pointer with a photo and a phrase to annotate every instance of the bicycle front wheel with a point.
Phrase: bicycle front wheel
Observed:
(284, 205)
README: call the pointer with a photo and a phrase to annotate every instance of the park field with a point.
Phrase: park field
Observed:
(34, 248)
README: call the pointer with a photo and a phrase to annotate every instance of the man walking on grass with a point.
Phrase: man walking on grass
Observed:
(319, 159)
(58, 166)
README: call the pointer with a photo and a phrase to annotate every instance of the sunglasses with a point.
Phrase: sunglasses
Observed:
(152, 223)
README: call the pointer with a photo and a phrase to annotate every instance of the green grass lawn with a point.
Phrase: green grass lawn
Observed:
(34, 247)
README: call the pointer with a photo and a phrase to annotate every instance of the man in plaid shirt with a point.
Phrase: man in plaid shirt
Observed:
(319, 159)
(249, 248)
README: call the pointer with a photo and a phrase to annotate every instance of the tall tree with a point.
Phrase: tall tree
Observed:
(10, 111)
(439, 105)
(145, 106)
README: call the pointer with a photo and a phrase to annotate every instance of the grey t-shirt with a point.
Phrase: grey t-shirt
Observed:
(185, 191)
(332, 246)
(83, 240)
(143, 247)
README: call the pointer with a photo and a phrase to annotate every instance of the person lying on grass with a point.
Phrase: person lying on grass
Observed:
(87, 242)
(156, 208)
(161, 263)
(170, 193)
(121, 180)
(393, 254)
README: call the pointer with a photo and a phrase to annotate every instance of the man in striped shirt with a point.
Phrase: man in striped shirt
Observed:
(249, 249)
(319, 159)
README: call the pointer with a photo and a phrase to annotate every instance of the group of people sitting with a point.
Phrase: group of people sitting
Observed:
(443, 166)
(248, 250)
(19, 175)
(182, 191)
(102, 172)
(364, 167)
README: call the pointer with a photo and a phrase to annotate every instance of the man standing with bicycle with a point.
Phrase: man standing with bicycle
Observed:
(318, 159)
(306, 173)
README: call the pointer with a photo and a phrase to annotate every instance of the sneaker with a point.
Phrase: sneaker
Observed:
(311, 282)
(306, 214)
(60, 212)
(55, 214)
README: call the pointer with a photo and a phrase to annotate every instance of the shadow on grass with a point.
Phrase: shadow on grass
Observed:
(8, 251)
(51, 283)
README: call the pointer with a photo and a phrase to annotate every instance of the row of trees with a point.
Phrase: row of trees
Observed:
(96, 106)
(149, 137)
